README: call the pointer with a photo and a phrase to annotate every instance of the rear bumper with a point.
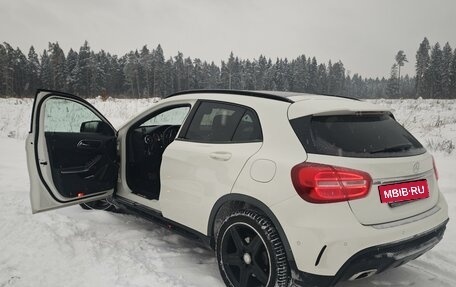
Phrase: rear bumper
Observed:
(376, 259)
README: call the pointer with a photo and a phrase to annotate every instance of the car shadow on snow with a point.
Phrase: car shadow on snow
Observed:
(190, 261)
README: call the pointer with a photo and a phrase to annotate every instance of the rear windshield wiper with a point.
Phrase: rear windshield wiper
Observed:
(395, 148)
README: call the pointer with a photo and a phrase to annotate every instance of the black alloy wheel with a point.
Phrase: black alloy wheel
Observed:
(250, 253)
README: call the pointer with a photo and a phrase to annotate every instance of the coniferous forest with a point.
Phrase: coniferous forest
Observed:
(146, 73)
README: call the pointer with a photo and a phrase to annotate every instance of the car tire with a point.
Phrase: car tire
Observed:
(250, 252)
(101, 204)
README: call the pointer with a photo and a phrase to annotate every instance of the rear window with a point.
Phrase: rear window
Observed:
(360, 135)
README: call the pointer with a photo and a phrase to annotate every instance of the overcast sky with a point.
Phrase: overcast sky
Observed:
(364, 34)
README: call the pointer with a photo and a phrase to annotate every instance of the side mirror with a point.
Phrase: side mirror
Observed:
(98, 127)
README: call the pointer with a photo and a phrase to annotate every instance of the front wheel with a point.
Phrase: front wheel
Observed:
(101, 204)
(250, 252)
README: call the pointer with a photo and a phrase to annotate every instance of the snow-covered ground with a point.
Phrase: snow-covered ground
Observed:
(75, 247)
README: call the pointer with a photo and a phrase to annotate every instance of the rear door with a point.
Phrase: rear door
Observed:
(71, 152)
(204, 161)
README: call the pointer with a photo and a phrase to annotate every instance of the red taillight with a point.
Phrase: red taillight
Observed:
(319, 183)
(435, 169)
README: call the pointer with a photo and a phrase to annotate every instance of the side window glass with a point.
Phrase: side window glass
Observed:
(62, 115)
(214, 122)
(249, 128)
(217, 123)
(174, 116)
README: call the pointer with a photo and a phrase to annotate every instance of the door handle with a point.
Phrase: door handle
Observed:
(220, 155)
(82, 169)
(88, 144)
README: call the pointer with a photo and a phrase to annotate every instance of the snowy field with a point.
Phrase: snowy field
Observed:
(75, 247)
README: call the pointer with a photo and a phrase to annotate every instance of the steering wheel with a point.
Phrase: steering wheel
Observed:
(152, 142)
(169, 134)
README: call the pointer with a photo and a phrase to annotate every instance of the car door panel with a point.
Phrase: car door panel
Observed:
(67, 166)
(81, 169)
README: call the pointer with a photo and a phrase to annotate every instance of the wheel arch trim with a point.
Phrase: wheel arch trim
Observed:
(236, 197)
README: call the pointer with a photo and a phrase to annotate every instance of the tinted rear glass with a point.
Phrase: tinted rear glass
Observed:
(216, 122)
(363, 135)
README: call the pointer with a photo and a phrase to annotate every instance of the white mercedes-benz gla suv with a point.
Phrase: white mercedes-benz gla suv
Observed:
(288, 188)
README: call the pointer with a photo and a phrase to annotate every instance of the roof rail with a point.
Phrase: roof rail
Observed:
(273, 95)
(234, 92)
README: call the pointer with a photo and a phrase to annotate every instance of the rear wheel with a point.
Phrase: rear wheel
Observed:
(250, 252)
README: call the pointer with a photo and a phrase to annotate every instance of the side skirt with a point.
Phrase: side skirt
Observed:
(155, 216)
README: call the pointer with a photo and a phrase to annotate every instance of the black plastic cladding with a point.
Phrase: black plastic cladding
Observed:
(257, 94)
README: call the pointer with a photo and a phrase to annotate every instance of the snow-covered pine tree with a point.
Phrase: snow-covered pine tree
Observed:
(336, 78)
(84, 76)
(197, 78)
(169, 80)
(213, 80)
(33, 72)
(234, 72)
(447, 57)
(147, 64)
(19, 72)
(435, 72)
(322, 77)
(131, 71)
(188, 72)
(179, 72)
(224, 76)
(97, 74)
(268, 79)
(45, 68)
(159, 72)
(300, 74)
(260, 71)
(313, 75)
(453, 76)
(423, 61)
(3, 70)
(71, 72)
(248, 75)
(277, 75)
(401, 58)
(7, 69)
(116, 84)
(392, 89)
(57, 66)
(104, 63)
